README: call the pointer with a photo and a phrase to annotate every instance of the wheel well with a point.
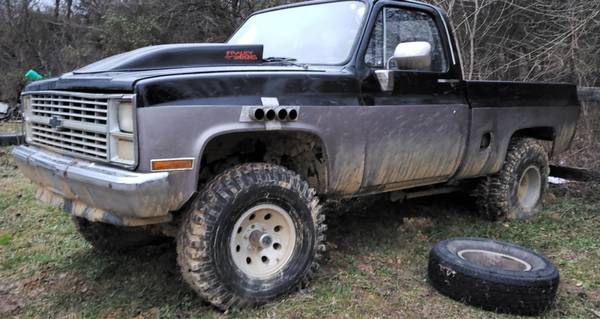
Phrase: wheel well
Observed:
(545, 135)
(301, 152)
(540, 133)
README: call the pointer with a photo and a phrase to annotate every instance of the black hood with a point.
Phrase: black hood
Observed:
(172, 56)
(119, 73)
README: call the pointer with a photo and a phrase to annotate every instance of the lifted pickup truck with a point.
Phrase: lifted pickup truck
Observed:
(226, 146)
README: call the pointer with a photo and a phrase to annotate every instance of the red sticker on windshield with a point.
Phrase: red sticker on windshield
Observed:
(241, 55)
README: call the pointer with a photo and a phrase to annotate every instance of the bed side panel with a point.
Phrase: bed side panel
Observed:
(503, 108)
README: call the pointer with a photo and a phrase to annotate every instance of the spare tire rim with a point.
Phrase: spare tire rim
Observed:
(486, 258)
(262, 241)
(530, 187)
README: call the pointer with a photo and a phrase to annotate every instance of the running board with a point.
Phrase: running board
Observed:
(404, 195)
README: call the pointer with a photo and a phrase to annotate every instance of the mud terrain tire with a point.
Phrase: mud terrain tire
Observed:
(493, 275)
(208, 248)
(115, 239)
(517, 191)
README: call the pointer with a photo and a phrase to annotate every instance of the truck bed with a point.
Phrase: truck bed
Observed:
(501, 110)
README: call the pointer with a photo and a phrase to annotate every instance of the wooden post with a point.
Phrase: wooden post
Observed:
(589, 94)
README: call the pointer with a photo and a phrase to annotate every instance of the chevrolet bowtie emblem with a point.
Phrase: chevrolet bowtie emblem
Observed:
(56, 122)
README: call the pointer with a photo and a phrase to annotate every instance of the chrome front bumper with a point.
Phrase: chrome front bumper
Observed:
(96, 192)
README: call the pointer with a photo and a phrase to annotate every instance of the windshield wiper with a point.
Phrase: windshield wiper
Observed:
(288, 61)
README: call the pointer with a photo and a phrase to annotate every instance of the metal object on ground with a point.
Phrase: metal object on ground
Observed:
(7, 139)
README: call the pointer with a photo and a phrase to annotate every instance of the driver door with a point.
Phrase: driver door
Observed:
(417, 131)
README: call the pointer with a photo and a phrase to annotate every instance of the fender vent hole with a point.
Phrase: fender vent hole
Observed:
(486, 141)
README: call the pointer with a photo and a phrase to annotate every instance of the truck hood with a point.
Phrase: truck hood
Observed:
(119, 73)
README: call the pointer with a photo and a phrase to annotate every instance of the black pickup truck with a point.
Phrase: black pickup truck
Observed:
(227, 146)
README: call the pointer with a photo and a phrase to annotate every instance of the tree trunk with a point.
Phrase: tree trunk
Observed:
(56, 8)
(69, 9)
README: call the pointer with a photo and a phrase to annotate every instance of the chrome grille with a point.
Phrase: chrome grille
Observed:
(88, 144)
(70, 108)
(83, 128)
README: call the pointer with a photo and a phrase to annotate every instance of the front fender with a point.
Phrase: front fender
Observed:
(185, 131)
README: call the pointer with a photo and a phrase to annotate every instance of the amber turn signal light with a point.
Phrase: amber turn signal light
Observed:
(179, 164)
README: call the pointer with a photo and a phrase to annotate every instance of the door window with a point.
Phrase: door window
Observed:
(398, 25)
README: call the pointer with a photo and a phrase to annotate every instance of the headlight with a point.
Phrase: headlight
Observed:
(121, 128)
(126, 116)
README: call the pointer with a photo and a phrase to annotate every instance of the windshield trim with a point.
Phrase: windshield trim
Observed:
(357, 39)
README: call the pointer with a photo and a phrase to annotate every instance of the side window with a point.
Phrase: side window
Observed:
(397, 25)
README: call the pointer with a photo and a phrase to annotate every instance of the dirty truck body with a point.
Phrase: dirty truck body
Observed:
(135, 139)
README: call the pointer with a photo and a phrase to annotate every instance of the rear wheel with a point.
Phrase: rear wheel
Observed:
(516, 192)
(254, 234)
(109, 238)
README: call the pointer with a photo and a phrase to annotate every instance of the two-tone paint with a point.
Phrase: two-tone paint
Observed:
(433, 128)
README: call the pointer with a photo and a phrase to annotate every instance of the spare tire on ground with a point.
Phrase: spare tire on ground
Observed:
(493, 275)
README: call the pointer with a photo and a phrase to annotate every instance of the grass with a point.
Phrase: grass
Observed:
(376, 265)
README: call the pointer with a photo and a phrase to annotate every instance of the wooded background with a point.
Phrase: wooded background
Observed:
(528, 40)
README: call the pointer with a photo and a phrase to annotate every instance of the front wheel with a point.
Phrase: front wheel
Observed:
(254, 234)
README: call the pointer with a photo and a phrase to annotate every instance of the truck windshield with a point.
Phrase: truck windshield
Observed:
(313, 34)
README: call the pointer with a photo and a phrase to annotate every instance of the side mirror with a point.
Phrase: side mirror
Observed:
(407, 56)
(412, 55)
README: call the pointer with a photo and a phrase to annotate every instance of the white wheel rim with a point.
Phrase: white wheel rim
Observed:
(262, 241)
(488, 258)
(530, 187)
